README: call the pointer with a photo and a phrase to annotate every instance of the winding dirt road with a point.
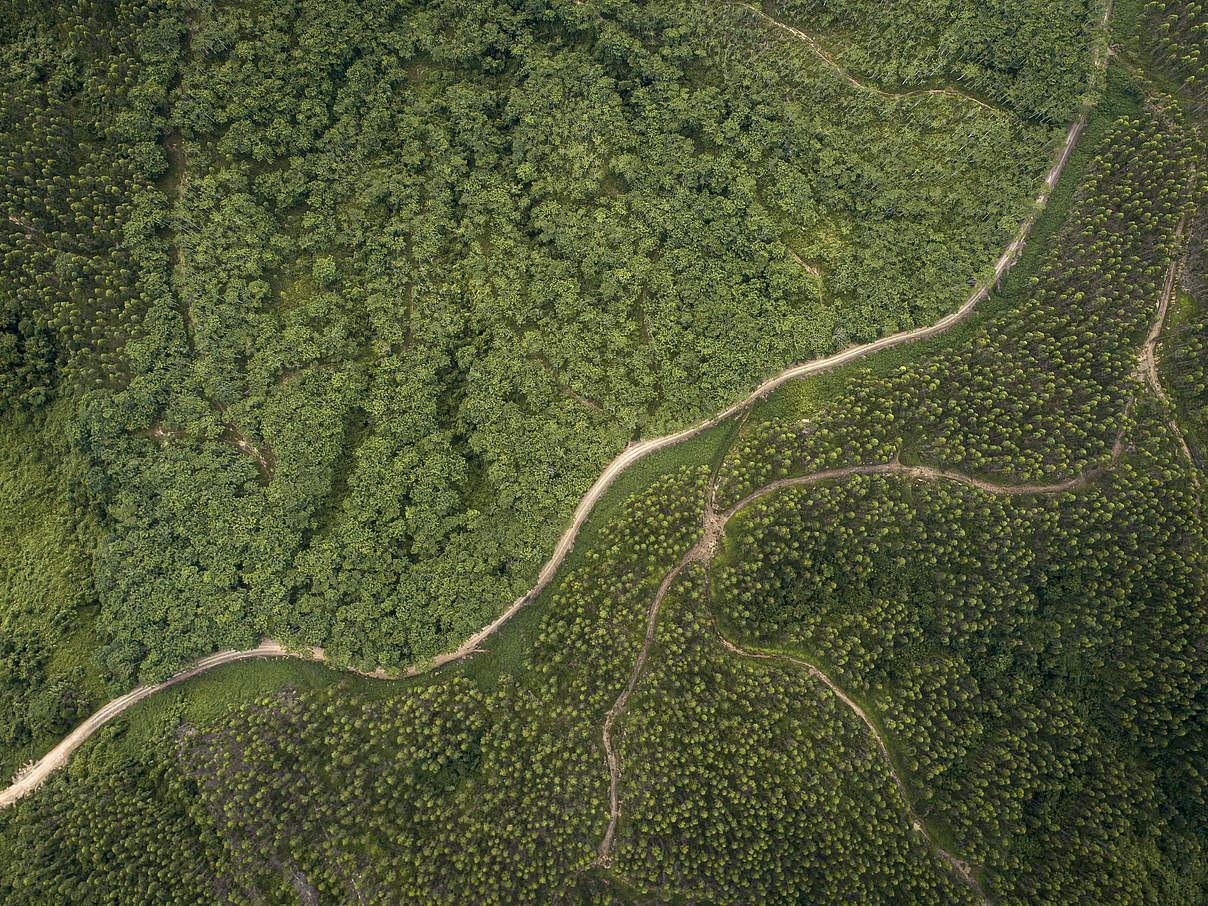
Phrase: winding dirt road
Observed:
(32, 776)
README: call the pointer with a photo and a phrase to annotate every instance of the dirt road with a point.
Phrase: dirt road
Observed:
(57, 757)
(29, 780)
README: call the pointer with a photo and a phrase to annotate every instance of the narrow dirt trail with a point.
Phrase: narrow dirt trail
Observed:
(604, 859)
(812, 43)
(924, 473)
(35, 774)
(713, 530)
(960, 866)
(1149, 352)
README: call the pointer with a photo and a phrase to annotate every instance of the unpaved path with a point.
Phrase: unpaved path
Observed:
(925, 473)
(851, 79)
(714, 528)
(30, 779)
(618, 708)
(1149, 352)
(960, 866)
(57, 757)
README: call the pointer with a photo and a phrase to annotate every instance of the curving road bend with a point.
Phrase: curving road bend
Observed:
(29, 778)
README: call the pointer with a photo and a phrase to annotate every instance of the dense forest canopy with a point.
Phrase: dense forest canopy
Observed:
(319, 317)
(316, 320)
(979, 684)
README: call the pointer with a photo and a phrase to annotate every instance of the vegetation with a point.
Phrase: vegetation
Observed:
(348, 303)
(460, 779)
(1047, 639)
(46, 679)
(1033, 661)
(730, 798)
(1173, 35)
(1039, 392)
(885, 688)
(1004, 53)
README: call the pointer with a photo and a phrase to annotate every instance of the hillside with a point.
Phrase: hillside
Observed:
(920, 623)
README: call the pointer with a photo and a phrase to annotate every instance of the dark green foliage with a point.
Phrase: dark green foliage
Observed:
(1051, 641)
(78, 159)
(446, 796)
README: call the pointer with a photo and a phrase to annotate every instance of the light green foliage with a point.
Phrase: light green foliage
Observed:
(1040, 390)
